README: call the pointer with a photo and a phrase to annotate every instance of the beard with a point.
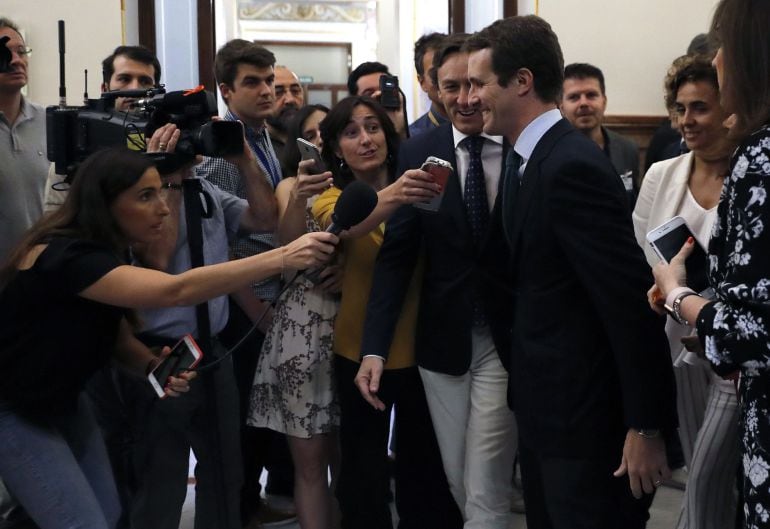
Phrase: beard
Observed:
(281, 121)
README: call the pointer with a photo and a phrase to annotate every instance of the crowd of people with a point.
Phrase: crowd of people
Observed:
(506, 314)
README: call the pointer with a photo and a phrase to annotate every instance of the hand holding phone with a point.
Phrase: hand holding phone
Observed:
(309, 151)
(440, 170)
(390, 96)
(667, 240)
(185, 355)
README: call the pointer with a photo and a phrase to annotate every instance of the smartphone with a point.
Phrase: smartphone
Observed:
(184, 356)
(390, 97)
(668, 238)
(309, 151)
(440, 170)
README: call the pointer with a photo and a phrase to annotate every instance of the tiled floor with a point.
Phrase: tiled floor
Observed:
(664, 513)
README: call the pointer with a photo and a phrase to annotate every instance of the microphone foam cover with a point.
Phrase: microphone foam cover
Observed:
(356, 202)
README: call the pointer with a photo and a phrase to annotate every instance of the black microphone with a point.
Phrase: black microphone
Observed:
(356, 202)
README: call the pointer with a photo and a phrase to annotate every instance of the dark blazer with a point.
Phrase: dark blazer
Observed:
(589, 358)
(453, 267)
(624, 155)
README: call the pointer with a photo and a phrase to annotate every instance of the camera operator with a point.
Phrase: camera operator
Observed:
(23, 163)
(208, 422)
(127, 68)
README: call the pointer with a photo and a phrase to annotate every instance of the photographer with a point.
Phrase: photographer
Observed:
(23, 165)
(69, 278)
(207, 422)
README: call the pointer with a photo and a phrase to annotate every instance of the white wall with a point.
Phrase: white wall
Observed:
(92, 31)
(632, 41)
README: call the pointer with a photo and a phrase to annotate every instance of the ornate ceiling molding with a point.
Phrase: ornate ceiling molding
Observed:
(354, 12)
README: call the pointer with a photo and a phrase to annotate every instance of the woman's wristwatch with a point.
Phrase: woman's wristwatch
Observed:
(673, 303)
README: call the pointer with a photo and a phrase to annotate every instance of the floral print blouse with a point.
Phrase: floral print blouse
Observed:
(734, 328)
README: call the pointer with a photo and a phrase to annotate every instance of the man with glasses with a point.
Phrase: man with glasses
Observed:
(23, 162)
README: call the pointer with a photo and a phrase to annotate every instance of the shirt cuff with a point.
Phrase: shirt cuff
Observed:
(375, 356)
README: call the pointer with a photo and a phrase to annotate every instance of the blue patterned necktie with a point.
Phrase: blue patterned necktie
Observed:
(475, 196)
(477, 209)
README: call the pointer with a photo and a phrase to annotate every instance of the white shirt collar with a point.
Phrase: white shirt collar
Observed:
(532, 133)
(459, 136)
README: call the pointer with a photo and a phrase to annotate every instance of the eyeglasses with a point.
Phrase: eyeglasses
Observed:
(21, 51)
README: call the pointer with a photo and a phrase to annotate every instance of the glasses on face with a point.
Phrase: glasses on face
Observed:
(21, 51)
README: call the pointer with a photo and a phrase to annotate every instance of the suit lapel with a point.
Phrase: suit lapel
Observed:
(452, 204)
(531, 177)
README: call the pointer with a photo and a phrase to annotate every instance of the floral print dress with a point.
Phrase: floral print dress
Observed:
(735, 328)
(294, 389)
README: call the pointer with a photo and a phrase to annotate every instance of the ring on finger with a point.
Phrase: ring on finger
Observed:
(657, 483)
(162, 146)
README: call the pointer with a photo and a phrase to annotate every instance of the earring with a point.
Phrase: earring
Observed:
(342, 164)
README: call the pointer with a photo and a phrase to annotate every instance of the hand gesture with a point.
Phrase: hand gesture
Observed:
(368, 381)
(415, 185)
(308, 185)
(644, 460)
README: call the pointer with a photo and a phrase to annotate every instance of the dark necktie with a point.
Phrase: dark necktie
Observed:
(477, 209)
(475, 196)
(511, 184)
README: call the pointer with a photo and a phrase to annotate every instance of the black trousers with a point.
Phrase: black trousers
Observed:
(568, 493)
(423, 500)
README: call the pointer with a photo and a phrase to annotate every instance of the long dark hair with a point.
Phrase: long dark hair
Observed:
(291, 154)
(742, 28)
(336, 121)
(86, 213)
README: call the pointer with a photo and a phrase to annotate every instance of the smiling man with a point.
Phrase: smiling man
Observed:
(591, 381)
(583, 103)
(23, 162)
(462, 322)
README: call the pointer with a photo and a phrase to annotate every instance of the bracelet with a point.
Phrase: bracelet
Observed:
(676, 307)
(675, 293)
(648, 434)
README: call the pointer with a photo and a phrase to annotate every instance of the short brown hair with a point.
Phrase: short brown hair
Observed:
(523, 42)
(742, 26)
(239, 51)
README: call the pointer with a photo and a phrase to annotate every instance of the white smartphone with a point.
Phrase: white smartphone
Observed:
(184, 356)
(309, 151)
(668, 238)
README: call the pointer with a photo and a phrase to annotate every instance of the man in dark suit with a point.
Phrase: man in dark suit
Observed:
(591, 381)
(462, 323)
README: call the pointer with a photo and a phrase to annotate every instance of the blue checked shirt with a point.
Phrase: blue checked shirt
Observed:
(226, 176)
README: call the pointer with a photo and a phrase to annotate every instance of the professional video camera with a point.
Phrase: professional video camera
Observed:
(75, 132)
(5, 55)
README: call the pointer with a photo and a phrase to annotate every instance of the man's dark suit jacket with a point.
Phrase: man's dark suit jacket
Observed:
(453, 269)
(589, 357)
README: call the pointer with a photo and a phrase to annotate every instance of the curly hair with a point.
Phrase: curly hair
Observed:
(687, 69)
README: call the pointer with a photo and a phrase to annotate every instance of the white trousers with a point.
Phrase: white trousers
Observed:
(476, 434)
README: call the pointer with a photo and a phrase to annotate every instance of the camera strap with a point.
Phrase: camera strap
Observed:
(193, 192)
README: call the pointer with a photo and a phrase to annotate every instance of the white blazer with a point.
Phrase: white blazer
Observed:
(662, 191)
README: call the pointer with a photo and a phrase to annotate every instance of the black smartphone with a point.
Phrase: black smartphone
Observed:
(668, 238)
(309, 151)
(185, 355)
(390, 97)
